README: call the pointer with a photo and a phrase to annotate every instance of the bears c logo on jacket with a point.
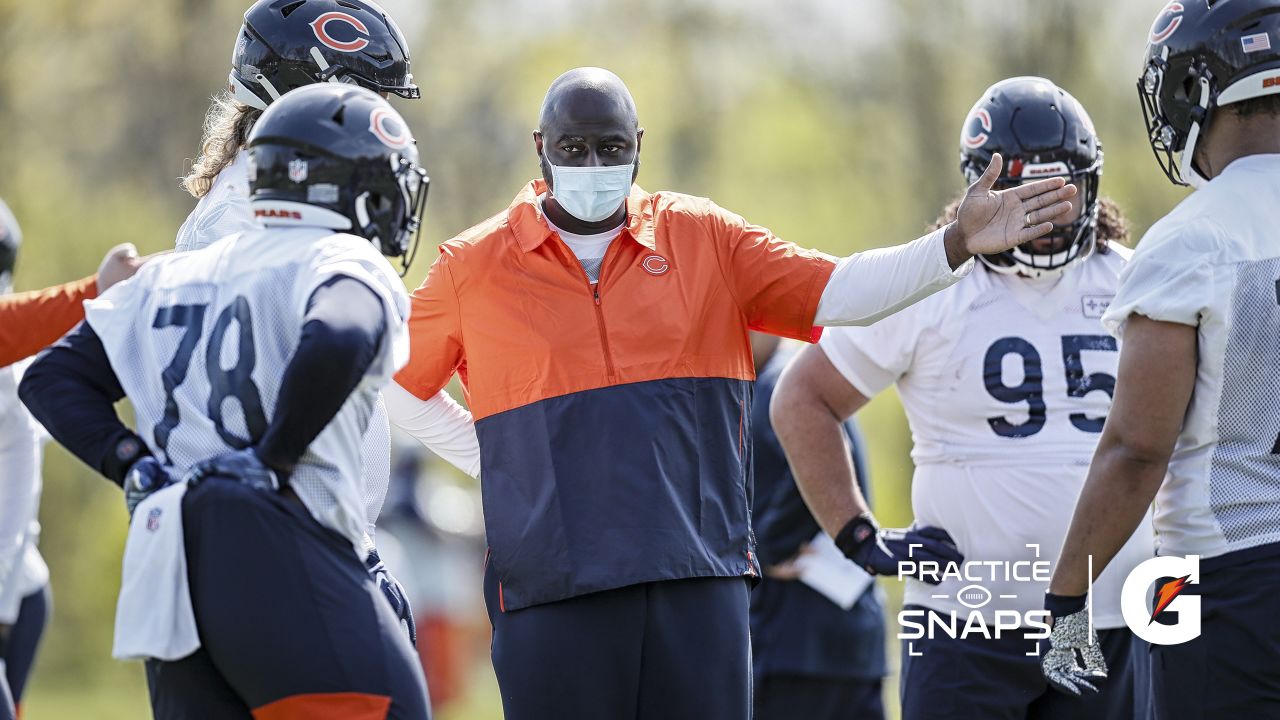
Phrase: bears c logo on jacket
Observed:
(320, 26)
(655, 265)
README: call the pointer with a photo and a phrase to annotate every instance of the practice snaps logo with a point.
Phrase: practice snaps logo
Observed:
(1133, 600)
(984, 612)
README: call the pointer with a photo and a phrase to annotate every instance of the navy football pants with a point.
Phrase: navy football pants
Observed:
(291, 624)
(19, 650)
(955, 679)
(671, 650)
(1233, 669)
(787, 697)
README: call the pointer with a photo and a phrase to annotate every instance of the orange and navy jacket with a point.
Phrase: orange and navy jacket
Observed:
(614, 420)
(30, 321)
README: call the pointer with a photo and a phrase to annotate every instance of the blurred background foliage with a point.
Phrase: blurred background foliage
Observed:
(833, 122)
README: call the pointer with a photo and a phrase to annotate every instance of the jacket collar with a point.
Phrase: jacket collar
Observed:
(530, 225)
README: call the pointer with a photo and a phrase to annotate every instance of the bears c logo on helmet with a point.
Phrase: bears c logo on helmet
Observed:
(979, 138)
(1167, 22)
(320, 26)
(388, 128)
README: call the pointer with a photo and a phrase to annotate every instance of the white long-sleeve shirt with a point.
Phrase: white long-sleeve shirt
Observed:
(864, 288)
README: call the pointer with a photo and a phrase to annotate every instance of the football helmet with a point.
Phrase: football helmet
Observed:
(1041, 131)
(1201, 55)
(285, 44)
(10, 241)
(338, 156)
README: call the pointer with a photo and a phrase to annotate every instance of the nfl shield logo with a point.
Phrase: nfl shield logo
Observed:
(153, 519)
(298, 170)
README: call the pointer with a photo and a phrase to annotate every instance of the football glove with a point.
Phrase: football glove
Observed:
(879, 552)
(1074, 661)
(394, 592)
(144, 477)
(243, 465)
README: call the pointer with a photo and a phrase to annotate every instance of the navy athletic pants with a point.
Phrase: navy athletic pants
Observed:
(671, 650)
(787, 697)
(1233, 669)
(19, 652)
(962, 679)
(291, 624)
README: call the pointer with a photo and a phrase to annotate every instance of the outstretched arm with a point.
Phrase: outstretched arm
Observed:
(868, 286)
(30, 321)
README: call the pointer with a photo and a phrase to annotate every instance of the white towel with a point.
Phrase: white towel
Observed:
(154, 618)
(828, 571)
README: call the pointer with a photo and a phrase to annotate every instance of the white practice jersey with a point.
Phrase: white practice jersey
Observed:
(224, 211)
(22, 570)
(1214, 263)
(1006, 382)
(200, 341)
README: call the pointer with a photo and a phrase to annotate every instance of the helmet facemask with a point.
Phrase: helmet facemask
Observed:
(392, 218)
(1174, 148)
(1076, 240)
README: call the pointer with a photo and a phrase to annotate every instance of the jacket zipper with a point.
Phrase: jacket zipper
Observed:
(604, 335)
(595, 297)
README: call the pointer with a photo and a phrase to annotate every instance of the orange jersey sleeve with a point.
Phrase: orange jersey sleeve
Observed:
(777, 284)
(435, 334)
(31, 321)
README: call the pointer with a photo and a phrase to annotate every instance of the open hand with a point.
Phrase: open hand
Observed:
(990, 221)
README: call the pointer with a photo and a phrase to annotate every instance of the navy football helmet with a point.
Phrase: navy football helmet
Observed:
(1201, 55)
(1041, 131)
(339, 156)
(10, 241)
(285, 44)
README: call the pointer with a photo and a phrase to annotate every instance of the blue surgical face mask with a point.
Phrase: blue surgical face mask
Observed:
(591, 194)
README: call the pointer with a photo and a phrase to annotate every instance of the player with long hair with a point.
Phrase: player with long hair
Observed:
(1006, 379)
(283, 45)
(253, 366)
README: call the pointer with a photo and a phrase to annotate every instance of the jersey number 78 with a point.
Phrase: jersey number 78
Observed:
(235, 382)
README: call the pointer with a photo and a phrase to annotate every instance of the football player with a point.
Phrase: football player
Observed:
(1194, 423)
(253, 367)
(24, 579)
(285, 44)
(1006, 380)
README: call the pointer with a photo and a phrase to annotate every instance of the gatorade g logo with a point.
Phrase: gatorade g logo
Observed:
(1137, 588)
(320, 26)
